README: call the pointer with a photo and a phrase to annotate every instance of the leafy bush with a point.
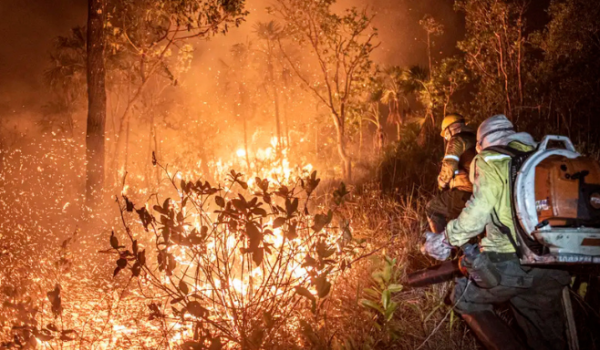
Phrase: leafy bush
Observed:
(233, 263)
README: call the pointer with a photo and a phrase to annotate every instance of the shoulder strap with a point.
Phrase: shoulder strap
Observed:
(517, 158)
(504, 150)
(506, 231)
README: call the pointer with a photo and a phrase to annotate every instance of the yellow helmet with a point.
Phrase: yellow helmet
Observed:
(451, 119)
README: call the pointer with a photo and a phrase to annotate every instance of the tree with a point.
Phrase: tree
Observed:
(96, 118)
(146, 33)
(565, 95)
(341, 46)
(243, 104)
(432, 28)
(139, 38)
(495, 52)
(374, 116)
(393, 94)
(66, 79)
(449, 77)
(270, 34)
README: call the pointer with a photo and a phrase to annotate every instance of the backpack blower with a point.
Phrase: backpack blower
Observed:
(556, 205)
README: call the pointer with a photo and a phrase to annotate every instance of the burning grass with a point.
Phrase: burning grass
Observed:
(270, 262)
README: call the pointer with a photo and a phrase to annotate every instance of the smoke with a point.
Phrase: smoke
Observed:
(28, 29)
(42, 171)
(402, 43)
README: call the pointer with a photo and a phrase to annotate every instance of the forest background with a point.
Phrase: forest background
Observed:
(272, 90)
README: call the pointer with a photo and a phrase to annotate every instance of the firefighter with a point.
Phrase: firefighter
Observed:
(534, 293)
(453, 179)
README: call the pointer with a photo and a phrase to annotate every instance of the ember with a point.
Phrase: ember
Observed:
(251, 174)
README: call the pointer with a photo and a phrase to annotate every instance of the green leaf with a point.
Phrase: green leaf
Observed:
(220, 201)
(372, 293)
(386, 297)
(372, 305)
(389, 311)
(378, 277)
(386, 273)
(395, 288)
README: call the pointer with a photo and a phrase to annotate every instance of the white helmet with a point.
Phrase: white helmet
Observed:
(493, 129)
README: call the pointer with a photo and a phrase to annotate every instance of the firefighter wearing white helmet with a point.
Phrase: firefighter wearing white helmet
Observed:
(453, 178)
(534, 293)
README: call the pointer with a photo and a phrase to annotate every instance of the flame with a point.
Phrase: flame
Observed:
(89, 311)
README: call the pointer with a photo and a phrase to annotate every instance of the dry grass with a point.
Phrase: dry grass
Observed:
(390, 225)
(422, 320)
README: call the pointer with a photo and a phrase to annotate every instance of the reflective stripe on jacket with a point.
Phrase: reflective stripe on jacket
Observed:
(491, 193)
(451, 172)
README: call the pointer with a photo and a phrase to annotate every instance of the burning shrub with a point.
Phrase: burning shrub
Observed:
(232, 266)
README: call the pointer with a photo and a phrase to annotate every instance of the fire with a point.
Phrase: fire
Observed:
(241, 153)
(230, 283)
(256, 252)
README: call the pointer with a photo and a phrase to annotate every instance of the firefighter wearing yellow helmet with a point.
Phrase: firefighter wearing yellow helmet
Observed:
(453, 178)
(534, 293)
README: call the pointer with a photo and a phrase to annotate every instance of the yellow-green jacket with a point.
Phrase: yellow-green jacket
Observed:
(491, 193)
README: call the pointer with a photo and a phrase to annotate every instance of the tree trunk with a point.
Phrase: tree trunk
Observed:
(426, 129)
(96, 101)
(126, 147)
(360, 137)
(341, 146)
(245, 117)
(429, 54)
(275, 99)
(286, 125)
(380, 138)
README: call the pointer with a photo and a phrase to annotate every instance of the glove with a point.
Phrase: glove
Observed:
(441, 183)
(436, 246)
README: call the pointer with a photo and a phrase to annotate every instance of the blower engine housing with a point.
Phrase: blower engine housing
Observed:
(556, 198)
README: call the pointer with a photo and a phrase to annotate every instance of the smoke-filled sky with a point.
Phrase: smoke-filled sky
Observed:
(28, 28)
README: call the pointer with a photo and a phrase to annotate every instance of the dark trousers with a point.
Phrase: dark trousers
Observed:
(534, 295)
(444, 207)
